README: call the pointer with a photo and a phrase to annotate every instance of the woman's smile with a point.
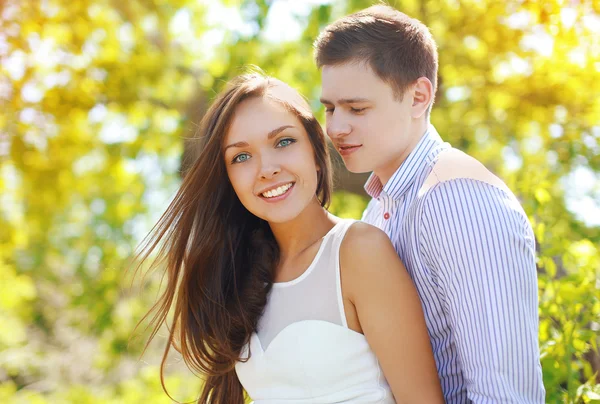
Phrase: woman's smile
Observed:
(277, 193)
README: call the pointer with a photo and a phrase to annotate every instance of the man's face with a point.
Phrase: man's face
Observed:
(369, 126)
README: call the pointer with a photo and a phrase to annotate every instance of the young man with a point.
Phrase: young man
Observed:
(461, 233)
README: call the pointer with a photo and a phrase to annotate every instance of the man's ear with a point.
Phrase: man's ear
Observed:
(422, 92)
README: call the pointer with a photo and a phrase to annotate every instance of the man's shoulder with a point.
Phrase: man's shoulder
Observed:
(461, 189)
(454, 164)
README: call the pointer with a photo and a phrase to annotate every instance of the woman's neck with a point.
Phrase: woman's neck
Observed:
(295, 236)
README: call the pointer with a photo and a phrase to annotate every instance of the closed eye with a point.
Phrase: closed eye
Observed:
(357, 110)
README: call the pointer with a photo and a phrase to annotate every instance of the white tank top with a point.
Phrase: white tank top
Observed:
(304, 351)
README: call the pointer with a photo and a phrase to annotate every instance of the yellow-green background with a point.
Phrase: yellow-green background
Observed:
(98, 96)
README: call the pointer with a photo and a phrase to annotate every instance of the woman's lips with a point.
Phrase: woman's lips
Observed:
(278, 198)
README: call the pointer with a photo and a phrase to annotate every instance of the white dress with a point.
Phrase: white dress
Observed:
(304, 351)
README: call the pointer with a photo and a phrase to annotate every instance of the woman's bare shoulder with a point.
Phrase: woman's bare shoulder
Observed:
(366, 244)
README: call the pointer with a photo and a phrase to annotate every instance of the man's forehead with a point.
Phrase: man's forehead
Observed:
(345, 95)
(339, 82)
(350, 83)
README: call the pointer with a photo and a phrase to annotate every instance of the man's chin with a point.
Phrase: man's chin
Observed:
(356, 168)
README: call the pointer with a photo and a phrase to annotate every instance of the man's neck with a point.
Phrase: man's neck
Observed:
(386, 172)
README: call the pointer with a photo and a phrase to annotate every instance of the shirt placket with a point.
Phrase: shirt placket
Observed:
(387, 210)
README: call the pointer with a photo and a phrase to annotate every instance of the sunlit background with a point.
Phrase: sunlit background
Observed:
(98, 101)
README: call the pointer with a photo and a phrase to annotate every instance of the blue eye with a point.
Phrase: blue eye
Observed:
(240, 158)
(285, 142)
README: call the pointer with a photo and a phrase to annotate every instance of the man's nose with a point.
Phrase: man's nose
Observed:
(337, 127)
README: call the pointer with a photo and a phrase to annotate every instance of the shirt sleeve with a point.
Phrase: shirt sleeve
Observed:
(478, 242)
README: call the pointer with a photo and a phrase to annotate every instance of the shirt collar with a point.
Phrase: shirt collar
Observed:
(404, 176)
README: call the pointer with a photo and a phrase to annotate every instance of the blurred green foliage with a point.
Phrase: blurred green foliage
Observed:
(97, 98)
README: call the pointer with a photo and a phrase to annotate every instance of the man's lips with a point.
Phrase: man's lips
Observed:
(347, 146)
(346, 149)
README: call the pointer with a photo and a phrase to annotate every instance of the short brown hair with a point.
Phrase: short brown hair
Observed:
(398, 48)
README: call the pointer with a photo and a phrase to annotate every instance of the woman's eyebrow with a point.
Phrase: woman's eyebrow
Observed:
(237, 144)
(277, 131)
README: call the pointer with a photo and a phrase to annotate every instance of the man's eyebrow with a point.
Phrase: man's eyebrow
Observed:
(270, 136)
(344, 101)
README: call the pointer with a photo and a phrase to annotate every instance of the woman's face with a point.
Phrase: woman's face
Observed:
(270, 160)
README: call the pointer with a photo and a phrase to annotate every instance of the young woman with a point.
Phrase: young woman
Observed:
(269, 292)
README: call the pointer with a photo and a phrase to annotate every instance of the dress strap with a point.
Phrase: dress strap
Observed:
(337, 243)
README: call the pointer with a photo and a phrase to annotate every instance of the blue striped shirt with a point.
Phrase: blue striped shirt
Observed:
(470, 251)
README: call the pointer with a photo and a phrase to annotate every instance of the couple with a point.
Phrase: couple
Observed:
(431, 298)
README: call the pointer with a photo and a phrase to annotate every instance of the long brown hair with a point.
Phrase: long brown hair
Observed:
(398, 48)
(219, 257)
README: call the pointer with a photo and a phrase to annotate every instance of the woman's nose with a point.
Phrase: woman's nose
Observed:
(269, 170)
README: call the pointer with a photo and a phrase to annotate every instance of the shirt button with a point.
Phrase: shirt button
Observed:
(386, 215)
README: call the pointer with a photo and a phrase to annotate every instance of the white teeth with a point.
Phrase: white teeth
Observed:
(277, 191)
